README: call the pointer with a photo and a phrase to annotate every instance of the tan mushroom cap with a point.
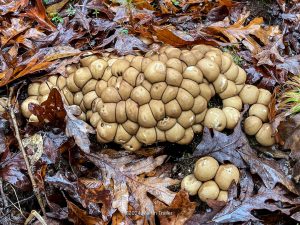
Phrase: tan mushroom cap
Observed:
(242, 76)
(220, 83)
(146, 136)
(45, 88)
(206, 168)
(193, 73)
(188, 137)
(230, 90)
(33, 89)
(226, 63)
(223, 196)
(265, 135)
(191, 86)
(169, 94)
(122, 136)
(145, 117)
(140, 95)
(175, 134)
(209, 69)
(185, 99)
(89, 86)
(200, 104)
(97, 68)
(61, 82)
(158, 89)
(119, 67)
(252, 125)
(133, 144)
(205, 91)
(166, 123)
(173, 109)
(107, 131)
(108, 112)
(86, 61)
(121, 115)
(232, 72)
(82, 76)
(173, 77)
(249, 94)
(208, 190)
(110, 95)
(232, 117)
(235, 102)
(157, 109)
(260, 111)
(188, 58)
(175, 64)
(264, 97)
(190, 184)
(131, 127)
(225, 175)
(155, 72)
(187, 119)
(215, 118)
(71, 69)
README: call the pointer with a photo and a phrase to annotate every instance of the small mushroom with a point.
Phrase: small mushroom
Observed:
(208, 190)
(119, 67)
(264, 97)
(206, 168)
(140, 95)
(169, 94)
(95, 118)
(133, 144)
(145, 117)
(97, 68)
(163, 58)
(232, 72)
(214, 56)
(234, 102)
(242, 76)
(71, 84)
(226, 63)
(190, 184)
(232, 117)
(147, 85)
(172, 52)
(89, 86)
(107, 74)
(82, 76)
(200, 104)
(145, 63)
(191, 86)
(158, 89)
(146, 135)
(107, 131)
(220, 83)
(130, 127)
(265, 135)
(205, 91)
(252, 125)
(225, 175)
(89, 98)
(223, 196)
(175, 64)
(122, 136)
(201, 116)
(24, 106)
(110, 95)
(202, 48)
(124, 89)
(230, 90)
(71, 69)
(33, 89)
(259, 110)
(209, 69)
(188, 58)
(108, 112)
(193, 73)
(185, 99)
(187, 138)
(68, 95)
(137, 62)
(132, 110)
(61, 82)
(186, 119)
(130, 76)
(157, 109)
(155, 72)
(86, 61)
(45, 88)
(175, 134)
(197, 128)
(173, 109)
(215, 118)
(52, 80)
(121, 116)
(173, 77)
(166, 123)
(100, 86)
(249, 94)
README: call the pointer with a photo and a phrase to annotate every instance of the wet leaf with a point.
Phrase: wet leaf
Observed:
(123, 169)
(180, 210)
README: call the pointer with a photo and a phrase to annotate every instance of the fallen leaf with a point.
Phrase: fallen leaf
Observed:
(180, 210)
(124, 168)
(55, 8)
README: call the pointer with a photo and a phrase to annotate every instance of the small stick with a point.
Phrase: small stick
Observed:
(36, 215)
(17, 133)
(5, 203)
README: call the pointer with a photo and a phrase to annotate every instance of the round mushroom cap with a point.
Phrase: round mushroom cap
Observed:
(45, 88)
(220, 84)
(175, 133)
(110, 95)
(197, 128)
(71, 68)
(225, 175)
(122, 135)
(193, 73)
(205, 91)
(242, 76)
(232, 117)
(146, 135)
(208, 190)
(190, 184)
(24, 106)
(86, 61)
(133, 144)
(82, 76)
(230, 90)
(252, 125)
(107, 131)
(145, 117)
(259, 110)
(206, 168)
(166, 123)
(226, 63)
(140, 95)
(185, 99)
(235, 102)
(175, 64)
(223, 196)
(214, 56)
(119, 67)
(232, 72)
(215, 118)
(209, 69)
(265, 135)
(97, 68)
(264, 97)
(188, 137)
(33, 89)
(187, 119)
(155, 72)
(249, 94)
(188, 58)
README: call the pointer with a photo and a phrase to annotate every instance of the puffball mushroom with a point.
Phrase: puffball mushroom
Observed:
(215, 118)
(190, 184)
(24, 107)
(265, 135)
(225, 175)
(161, 96)
(208, 190)
(206, 168)
(223, 196)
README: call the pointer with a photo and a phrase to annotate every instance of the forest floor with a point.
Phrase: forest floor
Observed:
(69, 178)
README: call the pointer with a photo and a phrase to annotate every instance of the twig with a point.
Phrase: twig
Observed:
(20, 202)
(17, 200)
(36, 215)
(17, 133)
(19, 209)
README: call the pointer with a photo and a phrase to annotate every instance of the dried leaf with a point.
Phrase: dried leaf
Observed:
(123, 169)
(180, 210)
(55, 8)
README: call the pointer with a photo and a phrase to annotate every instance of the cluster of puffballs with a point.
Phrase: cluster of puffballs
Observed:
(210, 180)
(161, 96)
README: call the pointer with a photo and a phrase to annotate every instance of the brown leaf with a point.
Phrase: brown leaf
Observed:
(124, 168)
(81, 217)
(55, 8)
(8, 6)
(180, 210)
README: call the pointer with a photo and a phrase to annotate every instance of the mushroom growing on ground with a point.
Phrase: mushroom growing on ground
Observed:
(225, 175)
(191, 184)
(208, 190)
(206, 168)
(162, 96)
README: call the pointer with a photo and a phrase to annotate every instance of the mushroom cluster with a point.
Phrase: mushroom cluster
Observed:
(210, 180)
(162, 96)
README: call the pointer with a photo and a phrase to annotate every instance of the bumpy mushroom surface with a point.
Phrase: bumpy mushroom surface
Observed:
(206, 168)
(208, 190)
(190, 184)
(225, 175)
(161, 96)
